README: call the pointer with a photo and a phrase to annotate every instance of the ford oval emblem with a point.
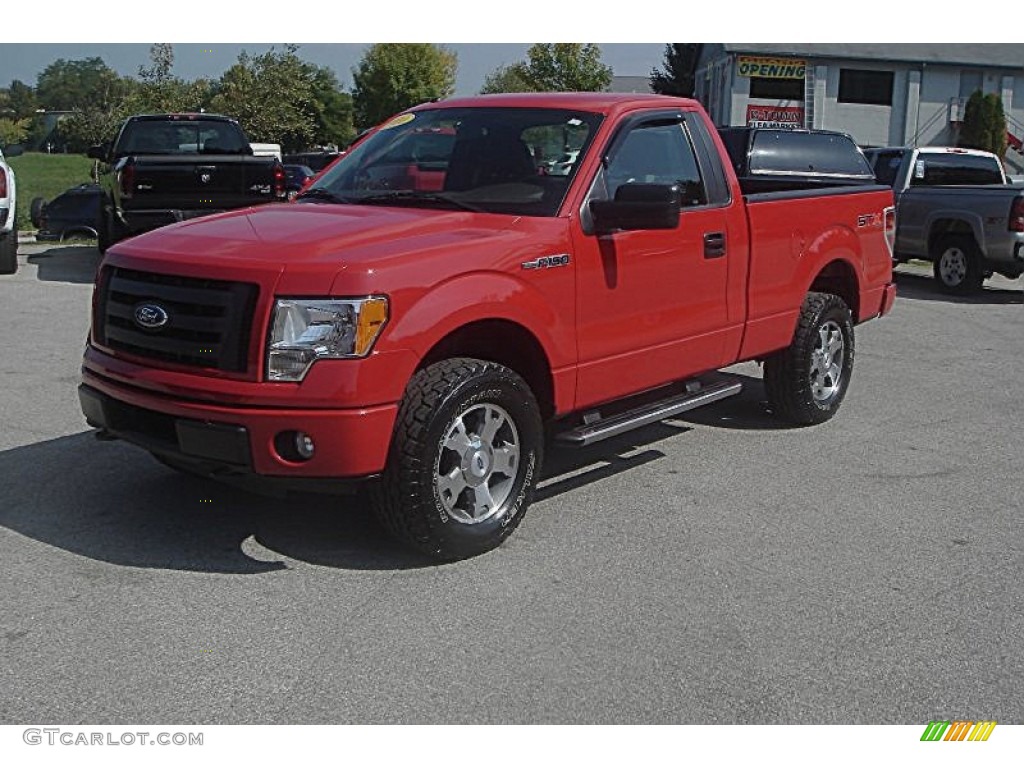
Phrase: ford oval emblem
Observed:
(151, 316)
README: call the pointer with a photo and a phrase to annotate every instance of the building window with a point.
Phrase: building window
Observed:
(789, 89)
(865, 86)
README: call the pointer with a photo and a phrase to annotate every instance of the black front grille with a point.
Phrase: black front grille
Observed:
(208, 326)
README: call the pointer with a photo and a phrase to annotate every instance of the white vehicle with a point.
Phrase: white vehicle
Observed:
(261, 149)
(8, 222)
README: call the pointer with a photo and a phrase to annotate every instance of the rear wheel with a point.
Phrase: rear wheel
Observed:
(957, 264)
(464, 459)
(9, 252)
(807, 381)
(108, 231)
(35, 211)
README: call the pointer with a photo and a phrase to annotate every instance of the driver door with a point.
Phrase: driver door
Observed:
(651, 304)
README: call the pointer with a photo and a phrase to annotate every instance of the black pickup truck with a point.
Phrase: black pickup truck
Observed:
(167, 168)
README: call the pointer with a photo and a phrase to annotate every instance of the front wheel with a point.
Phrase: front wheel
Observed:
(807, 381)
(465, 456)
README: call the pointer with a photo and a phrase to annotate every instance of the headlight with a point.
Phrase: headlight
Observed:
(306, 330)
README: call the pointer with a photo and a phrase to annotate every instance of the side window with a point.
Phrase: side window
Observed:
(657, 153)
(887, 166)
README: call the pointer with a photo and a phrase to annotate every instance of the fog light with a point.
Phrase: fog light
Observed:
(304, 445)
(294, 446)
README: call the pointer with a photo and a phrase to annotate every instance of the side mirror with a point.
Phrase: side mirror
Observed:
(99, 152)
(13, 150)
(638, 206)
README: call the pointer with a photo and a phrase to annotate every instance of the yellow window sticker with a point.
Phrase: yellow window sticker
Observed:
(394, 122)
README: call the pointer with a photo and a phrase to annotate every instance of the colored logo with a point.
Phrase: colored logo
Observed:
(958, 730)
(151, 316)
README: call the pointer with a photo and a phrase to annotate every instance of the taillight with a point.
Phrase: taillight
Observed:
(1017, 215)
(3, 183)
(890, 229)
(279, 180)
(127, 177)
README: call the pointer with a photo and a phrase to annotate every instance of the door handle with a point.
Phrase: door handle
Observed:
(714, 245)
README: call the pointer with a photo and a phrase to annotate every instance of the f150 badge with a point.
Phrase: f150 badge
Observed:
(546, 262)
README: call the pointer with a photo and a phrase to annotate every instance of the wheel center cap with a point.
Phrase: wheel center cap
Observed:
(479, 464)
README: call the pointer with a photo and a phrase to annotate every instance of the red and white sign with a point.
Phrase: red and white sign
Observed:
(774, 117)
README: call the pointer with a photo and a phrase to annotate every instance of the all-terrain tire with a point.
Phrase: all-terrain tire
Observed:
(462, 424)
(807, 381)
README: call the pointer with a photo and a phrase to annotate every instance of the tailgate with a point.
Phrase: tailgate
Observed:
(207, 182)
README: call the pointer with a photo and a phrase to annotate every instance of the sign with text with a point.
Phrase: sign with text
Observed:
(774, 117)
(765, 66)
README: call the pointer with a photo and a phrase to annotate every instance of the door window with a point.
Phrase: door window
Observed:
(657, 153)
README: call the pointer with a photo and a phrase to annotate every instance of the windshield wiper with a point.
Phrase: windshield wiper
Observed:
(322, 194)
(401, 195)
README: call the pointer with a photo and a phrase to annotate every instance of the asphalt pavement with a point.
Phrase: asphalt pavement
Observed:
(714, 569)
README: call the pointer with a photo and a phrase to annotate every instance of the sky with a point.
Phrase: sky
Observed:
(24, 61)
(335, 33)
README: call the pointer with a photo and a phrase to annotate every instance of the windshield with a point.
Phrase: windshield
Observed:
(182, 137)
(494, 159)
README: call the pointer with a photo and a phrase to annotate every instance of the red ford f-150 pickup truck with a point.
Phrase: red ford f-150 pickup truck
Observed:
(436, 305)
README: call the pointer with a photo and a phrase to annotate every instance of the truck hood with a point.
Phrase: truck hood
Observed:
(307, 236)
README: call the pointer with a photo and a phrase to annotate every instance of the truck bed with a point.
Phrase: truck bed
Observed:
(789, 233)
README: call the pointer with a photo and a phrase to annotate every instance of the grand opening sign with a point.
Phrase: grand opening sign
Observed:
(766, 66)
(775, 117)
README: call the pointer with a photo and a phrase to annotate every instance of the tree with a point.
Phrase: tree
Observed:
(79, 84)
(20, 100)
(984, 125)
(395, 76)
(566, 67)
(508, 79)
(270, 95)
(680, 69)
(331, 108)
(13, 131)
(158, 90)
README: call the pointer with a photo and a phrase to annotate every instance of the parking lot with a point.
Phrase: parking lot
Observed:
(713, 569)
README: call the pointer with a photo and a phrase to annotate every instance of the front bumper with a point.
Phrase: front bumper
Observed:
(349, 443)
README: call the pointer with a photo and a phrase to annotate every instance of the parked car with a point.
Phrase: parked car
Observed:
(297, 177)
(315, 160)
(8, 217)
(167, 168)
(73, 213)
(425, 340)
(956, 209)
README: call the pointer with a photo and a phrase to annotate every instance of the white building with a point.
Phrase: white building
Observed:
(883, 94)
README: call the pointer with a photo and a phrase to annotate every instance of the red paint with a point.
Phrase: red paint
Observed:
(631, 310)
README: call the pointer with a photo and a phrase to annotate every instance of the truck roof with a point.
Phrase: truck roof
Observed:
(601, 103)
(934, 150)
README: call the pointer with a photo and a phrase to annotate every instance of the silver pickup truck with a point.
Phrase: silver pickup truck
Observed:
(955, 209)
